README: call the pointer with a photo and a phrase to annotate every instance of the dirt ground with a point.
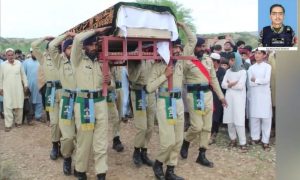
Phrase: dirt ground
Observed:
(24, 154)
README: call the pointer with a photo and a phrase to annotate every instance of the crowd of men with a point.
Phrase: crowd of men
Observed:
(227, 83)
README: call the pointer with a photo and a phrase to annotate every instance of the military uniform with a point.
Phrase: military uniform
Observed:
(114, 100)
(269, 37)
(170, 114)
(143, 108)
(66, 118)
(90, 109)
(53, 87)
(200, 103)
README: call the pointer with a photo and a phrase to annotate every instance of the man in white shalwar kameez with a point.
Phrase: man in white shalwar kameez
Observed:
(234, 115)
(260, 105)
(13, 82)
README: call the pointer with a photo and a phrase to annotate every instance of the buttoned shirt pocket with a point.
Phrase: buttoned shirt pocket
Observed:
(50, 65)
(67, 69)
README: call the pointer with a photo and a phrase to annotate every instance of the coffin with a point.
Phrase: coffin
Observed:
(134, 20)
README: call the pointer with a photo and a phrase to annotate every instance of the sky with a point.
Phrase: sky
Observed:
(38, 18)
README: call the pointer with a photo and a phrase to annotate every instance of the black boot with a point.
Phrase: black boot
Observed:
(184, 149)
(145, 158)
(170, 174)
(55, 151)
(137, 157)
(67, 166)
(117, 144)
(158, 170)
(81, 176)
(101, 176)
(202, 159)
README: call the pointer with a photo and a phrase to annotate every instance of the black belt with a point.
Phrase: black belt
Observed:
(198, 87)
(176, 95)
(90, 95)
(68, 93)
(143, 88)
(118, 85)
(56, 84)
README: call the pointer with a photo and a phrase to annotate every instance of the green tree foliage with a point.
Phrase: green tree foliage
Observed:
(15, 43)
(182, 14)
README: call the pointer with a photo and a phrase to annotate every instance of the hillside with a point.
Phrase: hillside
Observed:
(15, 43)
(250, 38)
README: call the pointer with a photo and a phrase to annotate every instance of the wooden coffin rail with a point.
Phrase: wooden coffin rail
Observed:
(138, 54)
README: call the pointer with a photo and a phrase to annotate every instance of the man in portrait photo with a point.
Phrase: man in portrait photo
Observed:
(277, 34)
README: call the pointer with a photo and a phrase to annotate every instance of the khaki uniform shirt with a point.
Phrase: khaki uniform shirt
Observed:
(87, 72)
(192, 73)
(138, 73)
(51, 73)
(62, 63)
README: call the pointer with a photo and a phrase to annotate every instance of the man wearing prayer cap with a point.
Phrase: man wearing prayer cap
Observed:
(218, 108)
(31, 66)
(215, 56)
(13, 84)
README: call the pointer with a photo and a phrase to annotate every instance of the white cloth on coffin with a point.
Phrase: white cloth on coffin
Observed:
(127, 17)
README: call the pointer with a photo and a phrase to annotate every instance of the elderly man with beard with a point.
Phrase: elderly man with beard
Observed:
(90, 109)
(13, 83)
(31, 70)
(200, 78)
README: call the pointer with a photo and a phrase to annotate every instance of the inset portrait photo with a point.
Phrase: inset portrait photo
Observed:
(278, 24)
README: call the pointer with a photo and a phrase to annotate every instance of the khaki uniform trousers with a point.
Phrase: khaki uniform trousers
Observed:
(95, 139)
(170, 136)
(11, 115)
(113, 116)
(54, 118)
(200, 124)
(115, 112)
(143, 120)
(67, 140)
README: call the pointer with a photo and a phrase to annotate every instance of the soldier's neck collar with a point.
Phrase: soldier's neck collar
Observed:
(277, 30)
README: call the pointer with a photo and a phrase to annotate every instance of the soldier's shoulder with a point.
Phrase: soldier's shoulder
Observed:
(158, 64)
(208, 60)
(266, 29)
(289, 29)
